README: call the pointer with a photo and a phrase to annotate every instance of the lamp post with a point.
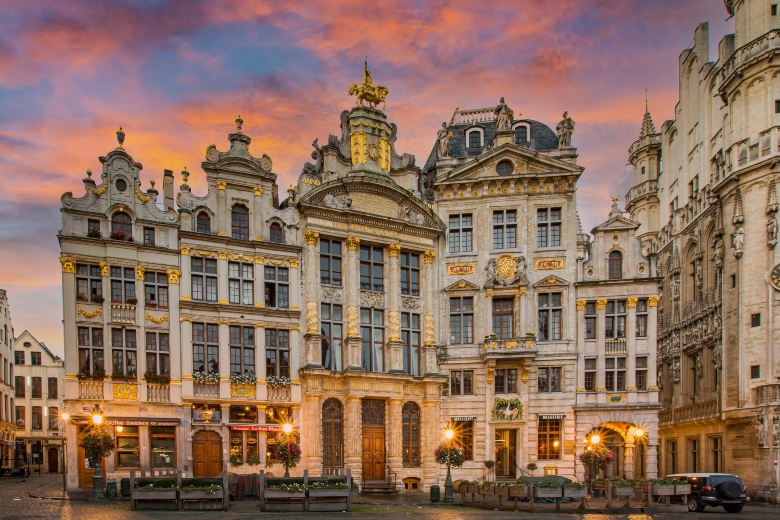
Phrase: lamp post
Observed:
(448, 483)
(97, 478)
(287, 430)
(64, 416)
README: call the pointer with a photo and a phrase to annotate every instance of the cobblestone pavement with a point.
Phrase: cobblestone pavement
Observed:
(19, 499)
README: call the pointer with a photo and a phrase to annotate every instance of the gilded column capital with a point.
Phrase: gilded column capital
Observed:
(601, 304)
(522, 291)
(173, 276)
(429, 256)
(104, 268)
(294, 264)
(489, 293)
(581, 305)
(222, 255)
(311, 236)
(185, 250)
(68, 265)
(140, 273)
(221, 185)
(393, 250)
(353, 243)
(631, 303)
(653, 301)
(258, 191)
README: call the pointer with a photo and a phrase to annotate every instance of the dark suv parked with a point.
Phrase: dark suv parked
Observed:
(714, 489)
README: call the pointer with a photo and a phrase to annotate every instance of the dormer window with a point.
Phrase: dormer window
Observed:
(240, 222)
(203, 223)
(521, 135)
(276, 233)
(122, 225)
(615, 265)
(475, 139)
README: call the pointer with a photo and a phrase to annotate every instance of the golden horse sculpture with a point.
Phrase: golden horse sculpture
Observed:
(374, 94)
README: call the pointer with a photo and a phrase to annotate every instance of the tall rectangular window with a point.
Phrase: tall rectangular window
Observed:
(716, 454)
(163, 442)
(372, 334)
(615, 374)
(19, 413)
(548, 227)
(19, 357)
(204, 279)
(242, 351)
(205, 348)
(54, 416)
(550, 316)
(277, 352)
(277, 287)
(158, 350)
(671, 457)
(549, 439)
(36, 418)
(461, 382)
(410, 337)
(371, 268)
(503, 318)
(590, 374)
(35, 358)
(692, 455)
(505, 381)
(241, 283)
(127, 448)
(549, 379)
(410, 274)
(464, 436)
(332, 330)
(239, 222)
(330, 262)
(615, 322)
(148, 236)
(641, 373)
(505, 229)
(123, 352)
(461, 231)
(37, 388)
(122, 284)
(19, 386)
(52, 388)
(156, 290)
(91, 350)
(461, 320)
(591, 319)
(89, 282)
(641, 318)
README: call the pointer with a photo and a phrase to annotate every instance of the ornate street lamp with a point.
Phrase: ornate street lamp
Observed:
(287, 430)
(97, 478)
(449, 434)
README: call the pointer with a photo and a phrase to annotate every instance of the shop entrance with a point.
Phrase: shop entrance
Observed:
(206, 454)
(54, 459)
(506, 453)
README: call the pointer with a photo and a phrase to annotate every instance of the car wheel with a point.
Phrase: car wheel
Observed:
(694, 505)
(733, 508)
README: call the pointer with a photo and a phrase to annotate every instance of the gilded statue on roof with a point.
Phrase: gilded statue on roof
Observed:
(367, 91)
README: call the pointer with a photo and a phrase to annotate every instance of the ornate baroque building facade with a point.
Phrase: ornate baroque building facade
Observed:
(7, 420)
(705, 195)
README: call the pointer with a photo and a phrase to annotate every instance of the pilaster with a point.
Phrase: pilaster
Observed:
(222, 277)
(601, 320)
(353, 433)
(352, 353)
(394, 346)
(394, 434)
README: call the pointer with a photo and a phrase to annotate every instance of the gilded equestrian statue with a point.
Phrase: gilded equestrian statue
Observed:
(367, 91)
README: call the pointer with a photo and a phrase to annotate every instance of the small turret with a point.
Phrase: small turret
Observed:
(645, 156)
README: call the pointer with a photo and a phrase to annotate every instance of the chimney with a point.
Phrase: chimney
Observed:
(168, 189)
(702, 43)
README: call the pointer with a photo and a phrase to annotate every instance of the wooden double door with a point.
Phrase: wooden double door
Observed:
(373, 453)
(206, 454)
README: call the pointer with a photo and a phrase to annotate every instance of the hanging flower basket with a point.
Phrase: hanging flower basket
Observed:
(97, 443)
(450, 453)
(596, 457)
(286, 450)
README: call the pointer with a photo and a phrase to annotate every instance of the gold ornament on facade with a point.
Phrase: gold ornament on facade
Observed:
(222, 255)
(430, 336)
(94, 314)
(489, 293)
(161, 319)
(141, 196)
(631, 303)
(544, 264)
(429, 256)
(293, 264)
(241, 257)
(125, 392)
(173, 276)
(393, 250)
(601, 304)
(312, 318)
(353, 243)
(506, 267)
(461, 269)
(277, 263)
(384, 154)
(185, 250)
(367, 91)
(99, 191)
(140, 273)
(258, 191)
(245, 390)
(358, 147)
(104, 268)
(653, 301)
(581, 305)
(221, 185)
(352, 323)
(394, 325)
(311, 237)
(68, 265)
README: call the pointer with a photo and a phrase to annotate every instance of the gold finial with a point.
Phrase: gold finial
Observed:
(89, 173)
(614, 199)
(120, 137)
(184, 175)
(152, 182)
(239, 122)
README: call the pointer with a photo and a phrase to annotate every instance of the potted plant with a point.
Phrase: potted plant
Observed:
(151, 303)
(81, 298)
(205, 378)
(129, 238)
(575, 490)
(117, 235)
(93, 233)
(472, 487)
(278, 381)
(132, 301)
(236, 460)
(486, 488)
(161, 379)
(451, 454)
(532, 467)
(98, 298)
(99, 373)
(254, 460)
(596, 458)
(548, 489)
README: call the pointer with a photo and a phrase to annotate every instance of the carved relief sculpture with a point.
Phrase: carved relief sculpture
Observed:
(565, 128)
(338, 202)
(760, 427)
(411, 216)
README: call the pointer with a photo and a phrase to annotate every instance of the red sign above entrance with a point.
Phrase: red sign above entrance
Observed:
(258, 428)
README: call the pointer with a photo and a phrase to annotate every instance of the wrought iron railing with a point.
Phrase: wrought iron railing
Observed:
(391, 477)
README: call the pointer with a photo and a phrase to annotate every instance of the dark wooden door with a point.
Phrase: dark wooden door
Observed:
(206, 454)
(54, 459)
(373, 453)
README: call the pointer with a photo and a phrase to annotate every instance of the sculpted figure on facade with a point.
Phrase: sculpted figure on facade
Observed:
(411, 216)
(503, 117)
(338, 202)
(776, 431)
(760, 426)
(316, 168)
(717, 256)
(565, 128)
(771, 232)
(443, 141)
(738, 241)
(490, 269)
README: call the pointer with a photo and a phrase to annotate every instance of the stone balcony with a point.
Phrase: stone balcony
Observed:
(647, 188)
(91, 390)
(766, 395)
(690, 413)
(615, 346)
(208, 390)
(493, 348)
(122, 314)
(158, 393)
(279, 393)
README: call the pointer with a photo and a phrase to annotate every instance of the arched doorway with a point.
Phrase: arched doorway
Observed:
(53, 459)
(206, 454)
(628, 444)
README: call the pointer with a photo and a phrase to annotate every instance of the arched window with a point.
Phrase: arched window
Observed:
(521, 135)
(203, 223)
(411, 435)
(276, 233)
(475, 139)
(240, 222)
(615, 265)
(332, 434)
(121, 225)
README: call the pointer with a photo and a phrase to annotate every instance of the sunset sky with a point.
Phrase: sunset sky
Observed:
(175, 74)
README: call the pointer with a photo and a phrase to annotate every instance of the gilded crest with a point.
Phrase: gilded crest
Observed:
(506, 267)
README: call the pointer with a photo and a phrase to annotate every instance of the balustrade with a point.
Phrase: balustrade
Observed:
(158, 393)
(91, 390)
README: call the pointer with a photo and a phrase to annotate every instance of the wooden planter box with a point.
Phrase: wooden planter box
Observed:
(502, 491)
(682, 489)
(661, 490)
(327, 492)
(199, 499)
(277, 500)
(486, 490)
(327, 500)
(623, 491)
(154, 494)
(471, 488)
(548, 492)
(280, 493)
(575, 492)
(519, 491)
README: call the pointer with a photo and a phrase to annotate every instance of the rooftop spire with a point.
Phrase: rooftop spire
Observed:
(648, 128)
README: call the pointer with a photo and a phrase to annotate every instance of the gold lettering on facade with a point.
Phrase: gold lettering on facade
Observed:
(543, 264)
(461, 269)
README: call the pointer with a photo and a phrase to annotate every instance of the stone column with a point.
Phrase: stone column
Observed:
(394, 358)
(69, 306)
(522, 302)
(313, 337)
(185, 328)
(353, 435)
(488, 309)
(432, 435)
(429, 322)
(257, 213)
(174, 326)
(294, 294)
(652, 339)
(352, 354)
(628, 461)
(631, 344)
(224, 357)
(259, 282)
(222, 277)
(223, 225)
(312, 431)
(581, 345)
(601, 345)
(394, 435)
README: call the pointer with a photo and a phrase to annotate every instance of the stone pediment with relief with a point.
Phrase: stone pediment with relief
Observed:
(617, 223)
(462, 285)
(551, 281)
(524, 161)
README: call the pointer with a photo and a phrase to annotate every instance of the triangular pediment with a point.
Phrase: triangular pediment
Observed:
(616, 223)
(551, 280)
(524, 161)
(461, 285)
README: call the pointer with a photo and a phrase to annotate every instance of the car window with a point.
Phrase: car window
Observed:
(695, 482)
